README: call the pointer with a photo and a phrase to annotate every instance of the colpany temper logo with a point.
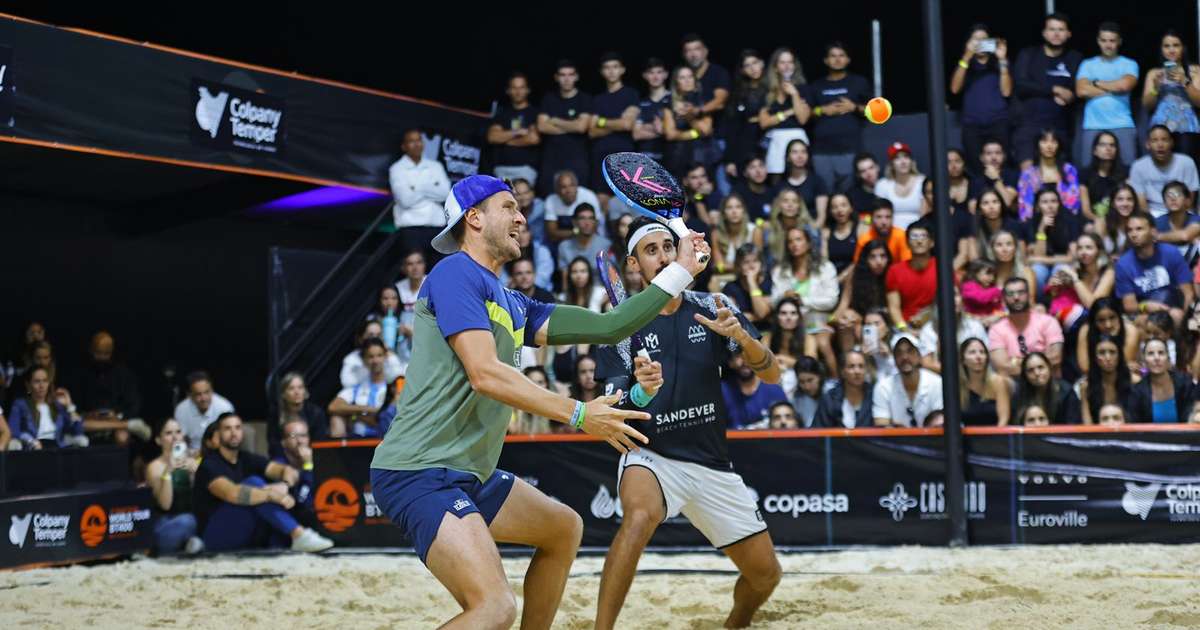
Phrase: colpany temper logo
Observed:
(1138, 501)
(19, 529)
(210, 109)
(337, 504)
(93, 525)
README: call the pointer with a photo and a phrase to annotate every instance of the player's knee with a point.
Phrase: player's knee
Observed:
(640, 522)
(766, 578)
(567, 527)
(499, 610)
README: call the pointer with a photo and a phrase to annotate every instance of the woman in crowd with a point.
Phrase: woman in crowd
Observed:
(523, 422)
(807, 276)
(1108, 380)
(1112, 415)
(741, 113)
(1165, 395)
(983, 394)
(958, 181)
(292, 403)
(1111, 226)
(45, 418)
(840, 234)
(798, 175)
(583, 387)
(786, 112)
(582, 289)
(877, 343)
(752, 289)
(734, 230)
(170, 478)
(1035, 416)
(354, 371)
(787, 341)
(810, 384)
(848, 403)
(787, 211)
(1050, 169)
(687, 130)
(983, 78)
(1100, 179)
(1038, 387)
(1104, 318)
(992, 216)
(1054, 237)
(863, 290)
(1073, 290)
(1009, 255)
(1172, 92)
(901, 185)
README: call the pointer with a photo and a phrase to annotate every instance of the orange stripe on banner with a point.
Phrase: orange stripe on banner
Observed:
(847, 433)
(59, 563)
(250, 66)
(241, 170)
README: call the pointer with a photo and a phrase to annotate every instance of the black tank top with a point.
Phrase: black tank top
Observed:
(841, 250)
(979, 412)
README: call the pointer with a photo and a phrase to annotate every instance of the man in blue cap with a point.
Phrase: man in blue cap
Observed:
(435, 472)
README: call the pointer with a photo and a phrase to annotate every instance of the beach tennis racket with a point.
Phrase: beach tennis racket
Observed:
(644, 185)
(610, 277)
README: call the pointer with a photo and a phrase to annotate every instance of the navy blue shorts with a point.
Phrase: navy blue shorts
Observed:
(417, 500)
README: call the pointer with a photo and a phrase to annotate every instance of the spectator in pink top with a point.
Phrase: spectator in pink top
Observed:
(1022, 332)
(980, 295)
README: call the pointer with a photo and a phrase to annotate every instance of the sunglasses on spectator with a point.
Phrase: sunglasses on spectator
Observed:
(297, 435)
(1173, 194)
(1021, 344)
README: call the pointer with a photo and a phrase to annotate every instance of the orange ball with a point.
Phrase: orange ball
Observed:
(878, 110)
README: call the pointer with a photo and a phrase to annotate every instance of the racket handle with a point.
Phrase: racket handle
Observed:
(676, 224)
(644, 353)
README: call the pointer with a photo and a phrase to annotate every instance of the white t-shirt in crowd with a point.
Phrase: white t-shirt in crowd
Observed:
(193, 421)
(890, 399)
(354, 371)
(1148, 179)
(46, 426)
(968, 328)
(905, 210)
(556, 207)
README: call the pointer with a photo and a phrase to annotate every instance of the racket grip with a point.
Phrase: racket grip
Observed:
(644, 353)
(676, 224)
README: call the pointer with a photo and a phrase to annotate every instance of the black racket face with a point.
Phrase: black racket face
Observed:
(643, 183)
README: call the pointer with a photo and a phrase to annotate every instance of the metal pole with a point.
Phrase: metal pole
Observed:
(877, 56)
(944, 248)
(1049, 7)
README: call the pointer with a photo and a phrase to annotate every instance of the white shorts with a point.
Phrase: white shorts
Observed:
(717, 503)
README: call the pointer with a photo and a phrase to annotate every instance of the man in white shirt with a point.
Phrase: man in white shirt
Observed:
(201, 408)
(420, 188)
(568, 195)
(913, 394)
(1160, 166)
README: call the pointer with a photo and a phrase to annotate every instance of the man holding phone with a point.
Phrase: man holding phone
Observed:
(1104, 83)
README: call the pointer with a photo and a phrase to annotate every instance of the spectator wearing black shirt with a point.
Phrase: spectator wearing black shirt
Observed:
(751, 291)
(754, 189)
(983, 79)
(714, 84)
(786, 111)
(1099, 180)
(615, 114)
(514, 134)
(861, 190)
(1056, 231)
(703, 201)
(295, 451)
(292, 405)
(236, 507)
(1044, 78)
(109, 397)
(522, 273)
(648, 131)
(743, 134)
(994, 175)
(799, 176)
(837, 101)
(686, 126)
(170, 479)
(563, 121)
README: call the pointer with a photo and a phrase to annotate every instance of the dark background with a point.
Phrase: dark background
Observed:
(193, 293)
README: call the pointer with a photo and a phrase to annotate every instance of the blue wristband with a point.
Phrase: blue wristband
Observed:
(639, 396)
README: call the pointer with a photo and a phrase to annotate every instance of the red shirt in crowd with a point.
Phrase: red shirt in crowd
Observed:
(917, 289)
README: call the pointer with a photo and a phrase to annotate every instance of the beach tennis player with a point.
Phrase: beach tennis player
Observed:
(686, 467)
(435, 472)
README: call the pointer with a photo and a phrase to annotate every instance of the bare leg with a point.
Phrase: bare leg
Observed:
(532, 518)
(642, 506)
(825, 348)
(760, 574)
(465, 560)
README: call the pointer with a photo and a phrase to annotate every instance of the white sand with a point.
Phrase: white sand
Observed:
(1117, 586)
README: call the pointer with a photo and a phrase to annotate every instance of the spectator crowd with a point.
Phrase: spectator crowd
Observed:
(1076, 272)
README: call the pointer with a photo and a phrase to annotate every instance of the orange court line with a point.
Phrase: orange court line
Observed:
(241, 170)
(250, 66)
(820, 433)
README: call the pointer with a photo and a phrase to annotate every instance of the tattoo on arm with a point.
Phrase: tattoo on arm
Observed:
(243, 495)
(768, 358)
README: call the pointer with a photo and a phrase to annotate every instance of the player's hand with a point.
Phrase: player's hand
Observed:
(688, 247)
(648, 374)
(725, 324)
(608, 423)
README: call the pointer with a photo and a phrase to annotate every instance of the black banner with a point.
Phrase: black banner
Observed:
(7, 89)
(76, 526)
(878, 490)
(80, 89)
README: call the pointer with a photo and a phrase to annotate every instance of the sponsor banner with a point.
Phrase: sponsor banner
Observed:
(75, 526)
(7, 87)
(228, 117)
(821, 491)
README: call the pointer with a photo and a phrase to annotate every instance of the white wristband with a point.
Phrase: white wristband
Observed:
(674, 279)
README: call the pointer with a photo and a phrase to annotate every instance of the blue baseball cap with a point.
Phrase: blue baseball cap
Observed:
(469, 192)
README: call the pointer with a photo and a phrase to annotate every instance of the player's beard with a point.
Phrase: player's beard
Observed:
(503, 247)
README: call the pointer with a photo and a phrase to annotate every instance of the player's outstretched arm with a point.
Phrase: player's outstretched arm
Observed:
(476, 349)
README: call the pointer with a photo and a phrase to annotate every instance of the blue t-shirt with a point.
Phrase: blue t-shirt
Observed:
(1110, 111)
(746, 410)
(1155, 279)
(471, 298)
(1163, 224)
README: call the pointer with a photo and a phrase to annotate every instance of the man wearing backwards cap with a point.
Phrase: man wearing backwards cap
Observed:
(688, 471)
(435, 472)
(910, 396)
